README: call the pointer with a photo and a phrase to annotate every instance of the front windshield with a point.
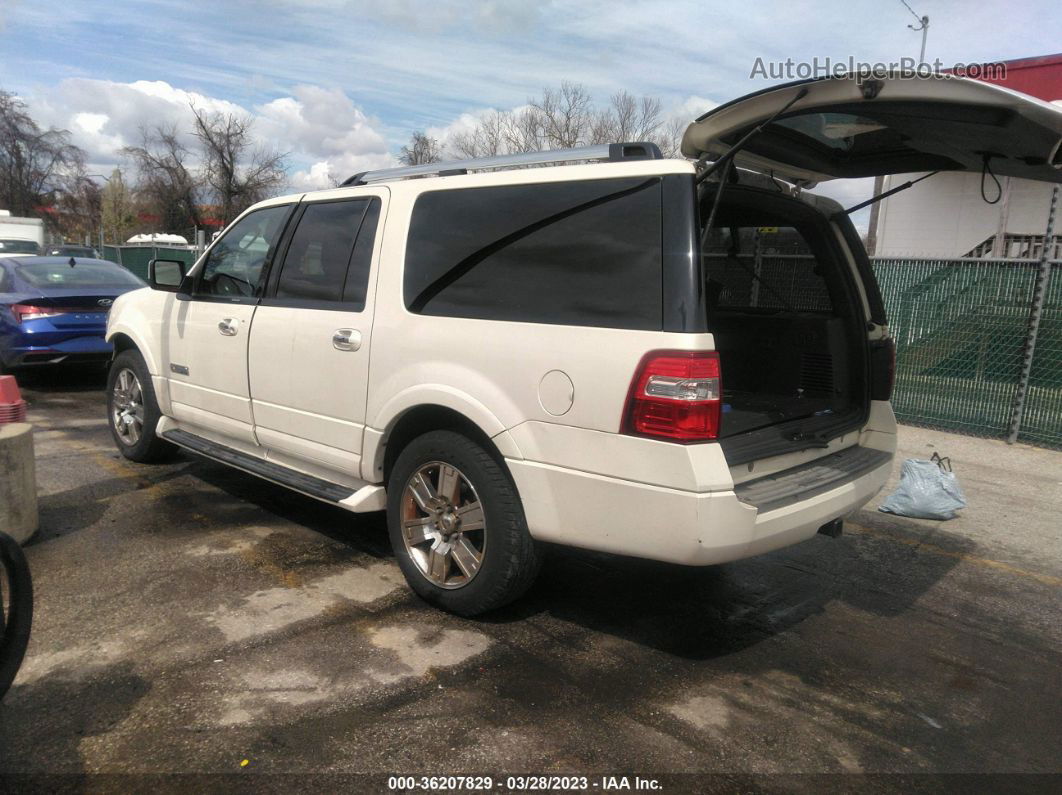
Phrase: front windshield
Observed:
(19, 247)
(81, 274)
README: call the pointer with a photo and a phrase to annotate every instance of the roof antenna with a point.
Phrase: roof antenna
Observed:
(72, 262)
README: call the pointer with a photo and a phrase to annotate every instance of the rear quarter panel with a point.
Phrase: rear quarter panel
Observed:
(491, 371)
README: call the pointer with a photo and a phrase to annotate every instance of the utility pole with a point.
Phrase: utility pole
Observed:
(923, 25)
(105, 179)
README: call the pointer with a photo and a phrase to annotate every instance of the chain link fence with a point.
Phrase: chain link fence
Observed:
(960, 327)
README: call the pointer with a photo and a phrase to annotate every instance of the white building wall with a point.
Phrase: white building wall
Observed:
(945, 216)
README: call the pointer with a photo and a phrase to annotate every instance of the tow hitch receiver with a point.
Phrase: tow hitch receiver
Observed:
(833, 529)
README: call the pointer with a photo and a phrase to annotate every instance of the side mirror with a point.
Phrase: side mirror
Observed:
(166, 274)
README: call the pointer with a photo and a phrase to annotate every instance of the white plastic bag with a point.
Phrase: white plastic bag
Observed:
(926, 491)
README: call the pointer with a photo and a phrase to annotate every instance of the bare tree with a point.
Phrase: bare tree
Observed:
(238, 172)
(166, 185)
(566, 115)
(78, 205)
(524, 132)
(35, 165)
(563, 118)
(421, 149)
(669, 136)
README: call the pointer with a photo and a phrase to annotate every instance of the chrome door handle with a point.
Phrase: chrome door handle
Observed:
(229, 326)
(346, 339)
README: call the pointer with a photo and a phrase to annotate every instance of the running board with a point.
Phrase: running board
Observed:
(366, 498)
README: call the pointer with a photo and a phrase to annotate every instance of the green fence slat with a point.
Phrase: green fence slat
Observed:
(960, 328)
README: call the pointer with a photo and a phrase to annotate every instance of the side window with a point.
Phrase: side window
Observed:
(329, 254)
(234, 265)
(573, 253)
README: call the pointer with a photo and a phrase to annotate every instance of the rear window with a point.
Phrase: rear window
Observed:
(82, 274)
(764, 267)
(582, 253)
(19, 247)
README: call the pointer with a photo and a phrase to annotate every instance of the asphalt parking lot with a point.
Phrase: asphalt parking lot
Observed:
(193, 619)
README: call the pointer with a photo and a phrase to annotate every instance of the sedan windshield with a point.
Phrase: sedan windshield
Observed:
(81, 274)
(19, 247)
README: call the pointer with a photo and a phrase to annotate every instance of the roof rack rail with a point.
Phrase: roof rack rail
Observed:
(637, 150)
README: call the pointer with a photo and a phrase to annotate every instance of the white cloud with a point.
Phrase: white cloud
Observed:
(692, 107)
(103, 116)
(323, 131)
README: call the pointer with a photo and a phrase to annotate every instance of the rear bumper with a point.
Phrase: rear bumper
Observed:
(591, 511)
(23, 352)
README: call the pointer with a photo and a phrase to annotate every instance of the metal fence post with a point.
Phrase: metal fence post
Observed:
(1043, 278)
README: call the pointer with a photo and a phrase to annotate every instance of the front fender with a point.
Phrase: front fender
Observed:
(141, 316)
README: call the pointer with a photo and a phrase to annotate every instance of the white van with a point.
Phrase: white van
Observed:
(680, 360)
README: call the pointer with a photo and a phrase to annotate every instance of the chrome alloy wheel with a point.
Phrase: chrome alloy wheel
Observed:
(127, 407)
(443, 526)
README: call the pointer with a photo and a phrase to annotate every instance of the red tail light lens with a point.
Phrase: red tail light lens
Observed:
(24, 312)
(676, 395)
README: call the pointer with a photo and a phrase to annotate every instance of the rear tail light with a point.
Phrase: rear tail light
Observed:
(675, 395)
(24, 312)
(882, 368)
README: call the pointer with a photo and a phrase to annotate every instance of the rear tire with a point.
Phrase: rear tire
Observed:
(457, 525)
(132, 411)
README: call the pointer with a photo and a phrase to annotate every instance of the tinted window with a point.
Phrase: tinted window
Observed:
(358, 274)
(572, 253)
(234, 264)
(764, 267)
(327, 241)
(88, 274)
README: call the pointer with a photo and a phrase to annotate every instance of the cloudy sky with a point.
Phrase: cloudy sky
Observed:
(341, 83)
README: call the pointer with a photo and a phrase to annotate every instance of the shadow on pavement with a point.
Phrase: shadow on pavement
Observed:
(75, 709)
(695, 613)
(57, 378)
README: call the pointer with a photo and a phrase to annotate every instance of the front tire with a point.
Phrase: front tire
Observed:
(457, 526)
(132, 410)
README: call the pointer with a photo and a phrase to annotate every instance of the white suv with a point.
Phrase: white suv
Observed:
(623, 354)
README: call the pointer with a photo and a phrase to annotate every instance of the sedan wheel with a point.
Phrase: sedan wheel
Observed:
(127, 407)
(443, 525)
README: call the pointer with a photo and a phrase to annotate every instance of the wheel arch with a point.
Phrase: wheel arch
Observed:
(424, 418)
(124, 339)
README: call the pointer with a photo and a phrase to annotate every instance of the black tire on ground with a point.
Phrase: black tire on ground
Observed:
(510, 557)
(16, 609)
(148, 447)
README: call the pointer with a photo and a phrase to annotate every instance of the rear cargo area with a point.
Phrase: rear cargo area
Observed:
(786, 315)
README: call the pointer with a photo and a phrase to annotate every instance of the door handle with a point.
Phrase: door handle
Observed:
(229, 326)
(346, 339)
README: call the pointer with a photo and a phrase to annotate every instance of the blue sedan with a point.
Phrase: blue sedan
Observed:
(54, 309)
